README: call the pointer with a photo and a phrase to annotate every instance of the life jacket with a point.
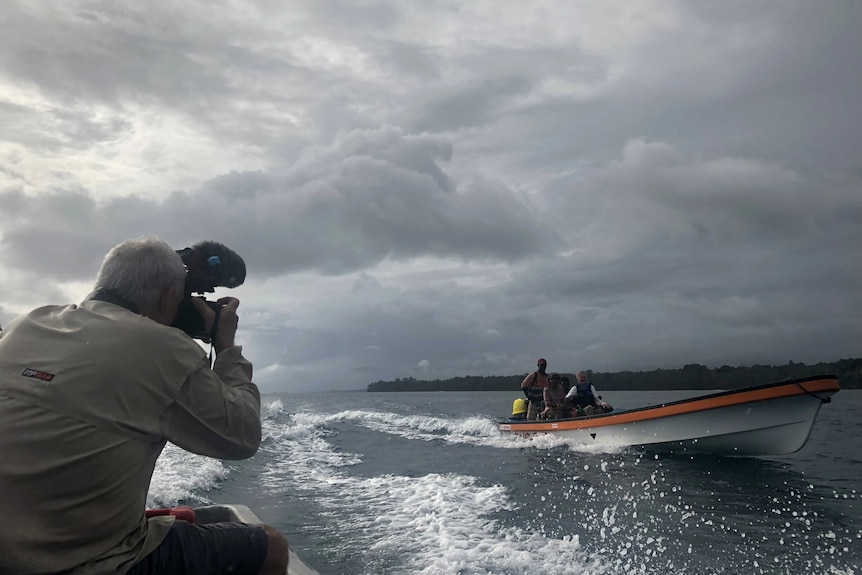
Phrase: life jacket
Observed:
(536, 392)
(584, 395)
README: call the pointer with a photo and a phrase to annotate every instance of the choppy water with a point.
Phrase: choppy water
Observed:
(424, 483)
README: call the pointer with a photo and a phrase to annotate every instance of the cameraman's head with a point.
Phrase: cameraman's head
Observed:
(148, 273)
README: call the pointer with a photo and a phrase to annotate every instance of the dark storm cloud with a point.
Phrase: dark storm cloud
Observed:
(472, 106)
(646, 288)
(370, 196)
(779, 85)
(127, 57)
(434, 190)
(758, 82)
(658, 200)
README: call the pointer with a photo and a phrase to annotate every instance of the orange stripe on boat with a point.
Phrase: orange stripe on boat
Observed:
(686, 406)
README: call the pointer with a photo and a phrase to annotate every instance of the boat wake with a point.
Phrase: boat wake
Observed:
(436, 523)
(563, 509)
(181, 476)
(473, 430)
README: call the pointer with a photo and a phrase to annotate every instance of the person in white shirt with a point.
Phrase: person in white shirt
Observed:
(583, 395)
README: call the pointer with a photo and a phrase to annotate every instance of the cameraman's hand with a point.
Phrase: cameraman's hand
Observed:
(227, 324)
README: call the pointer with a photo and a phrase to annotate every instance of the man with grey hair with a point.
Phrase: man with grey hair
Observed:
(583, 396)
(89, 395)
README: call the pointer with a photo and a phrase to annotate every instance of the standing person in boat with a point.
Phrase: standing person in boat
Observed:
(584, 395)
(89, 395)
(534, 386)
(554, 397)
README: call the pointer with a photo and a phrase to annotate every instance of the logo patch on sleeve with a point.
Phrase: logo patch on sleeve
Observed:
(43, 375)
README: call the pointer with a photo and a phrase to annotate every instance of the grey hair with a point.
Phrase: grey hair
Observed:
(141, 270)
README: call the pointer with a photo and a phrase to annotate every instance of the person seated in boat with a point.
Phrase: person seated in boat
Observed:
(89, 396)
(564, 381)
(534, 386)
(584, 397)
(519, 410)
(554, 397)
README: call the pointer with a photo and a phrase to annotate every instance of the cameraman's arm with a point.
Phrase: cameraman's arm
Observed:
(217, 412)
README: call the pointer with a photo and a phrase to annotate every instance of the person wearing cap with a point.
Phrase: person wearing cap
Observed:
(534, 387)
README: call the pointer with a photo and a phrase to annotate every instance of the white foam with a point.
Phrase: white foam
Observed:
(271, 409)
(479, 431)
(181, 476)
(447, 523)
(442, 522)
(434, 524)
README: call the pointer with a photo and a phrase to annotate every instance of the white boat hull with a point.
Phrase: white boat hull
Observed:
(765, 420)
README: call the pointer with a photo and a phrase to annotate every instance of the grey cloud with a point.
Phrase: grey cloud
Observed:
(771, 84)
(410, 60)
(348, 207)
(126, 57)
(109, 58)
(471, 106)
(506, 83)
(48, 131)
(728, 316)
(364, 18)
(657, 191)
(352, 205)
(691, 193)
(20, 291)
(366, 282)
(65, 234)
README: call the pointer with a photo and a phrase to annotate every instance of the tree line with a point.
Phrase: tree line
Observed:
(691, 376)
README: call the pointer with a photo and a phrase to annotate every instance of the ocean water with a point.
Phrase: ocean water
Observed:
(403, 483)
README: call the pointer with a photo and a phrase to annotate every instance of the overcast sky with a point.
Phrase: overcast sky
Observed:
(441, 188)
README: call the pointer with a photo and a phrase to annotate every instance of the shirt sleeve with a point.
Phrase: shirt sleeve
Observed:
(595, 393)
(572, 393)
(217, 411)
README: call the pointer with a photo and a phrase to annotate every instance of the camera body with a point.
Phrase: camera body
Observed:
(208, 265)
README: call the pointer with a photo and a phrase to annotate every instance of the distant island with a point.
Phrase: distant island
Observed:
(691, 376)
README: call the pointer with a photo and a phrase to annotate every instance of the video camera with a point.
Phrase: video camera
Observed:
(208, 265)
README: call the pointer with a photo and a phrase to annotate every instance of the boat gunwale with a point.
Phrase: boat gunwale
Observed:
(739, 396)
(237, 512)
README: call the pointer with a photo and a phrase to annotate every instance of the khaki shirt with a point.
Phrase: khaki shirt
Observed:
(89, 395)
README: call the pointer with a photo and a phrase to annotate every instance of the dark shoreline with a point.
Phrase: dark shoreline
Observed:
(692, 376)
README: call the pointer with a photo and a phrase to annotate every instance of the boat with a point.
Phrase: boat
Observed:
(771, 419)
(234, 513)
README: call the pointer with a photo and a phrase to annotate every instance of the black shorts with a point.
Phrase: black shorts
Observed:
(209, 549)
